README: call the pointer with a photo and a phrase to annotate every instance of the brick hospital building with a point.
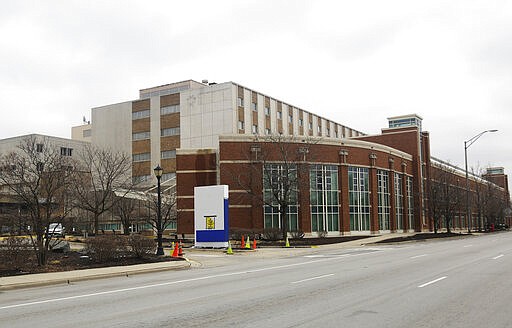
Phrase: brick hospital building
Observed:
(348, 182)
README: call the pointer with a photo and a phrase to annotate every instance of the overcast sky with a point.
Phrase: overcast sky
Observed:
(354, 62)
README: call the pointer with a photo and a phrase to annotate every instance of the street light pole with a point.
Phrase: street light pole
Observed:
(159, 250)
(468, 143)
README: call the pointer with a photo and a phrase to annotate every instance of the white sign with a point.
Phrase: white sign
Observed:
(211, 223)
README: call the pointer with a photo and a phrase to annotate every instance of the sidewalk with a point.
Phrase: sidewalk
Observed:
(42, 279)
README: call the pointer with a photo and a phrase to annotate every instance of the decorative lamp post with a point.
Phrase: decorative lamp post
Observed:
(159, 250)
(468, 143)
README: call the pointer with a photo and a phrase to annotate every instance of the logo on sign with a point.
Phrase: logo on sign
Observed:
(210, 222)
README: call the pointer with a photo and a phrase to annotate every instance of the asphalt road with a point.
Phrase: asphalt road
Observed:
(451, 283)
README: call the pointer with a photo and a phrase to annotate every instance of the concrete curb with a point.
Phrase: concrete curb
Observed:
(66, 277)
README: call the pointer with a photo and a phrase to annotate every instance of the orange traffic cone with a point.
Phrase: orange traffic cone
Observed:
(180, 252)
(254, 243)
(175, 252)
(242, 244)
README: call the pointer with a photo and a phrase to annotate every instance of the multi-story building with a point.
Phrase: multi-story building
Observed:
(36, 147)
(192, 115)
(206, 133)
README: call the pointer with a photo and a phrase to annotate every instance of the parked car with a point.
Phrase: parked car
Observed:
(56, 229)
(501, 226)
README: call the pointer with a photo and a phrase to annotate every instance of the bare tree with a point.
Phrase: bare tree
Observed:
(480, 197)
(39, 177)
(105, 178)
(445, 195)
(168, 211)
(277, 166)
(496, 204)
(125, 209)
(435, 198)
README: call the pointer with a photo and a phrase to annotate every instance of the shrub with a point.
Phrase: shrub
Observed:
(105, 248)
(272, 234)
(236, 233)
(15, 252)
(140, 246)
(297, 234)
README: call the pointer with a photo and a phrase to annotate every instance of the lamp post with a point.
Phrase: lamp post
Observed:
(159, 250)
(468, 143)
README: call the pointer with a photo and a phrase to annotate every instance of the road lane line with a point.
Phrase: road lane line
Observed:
(415, 257)
(432, 282)
(468, 246)
(115, 291)
(207, 255)
(337, 255)
(314, 278)
(497, 257)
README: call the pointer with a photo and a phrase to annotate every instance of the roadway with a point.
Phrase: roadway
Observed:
(450, 283)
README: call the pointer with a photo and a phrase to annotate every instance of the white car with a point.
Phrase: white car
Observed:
(56, 229)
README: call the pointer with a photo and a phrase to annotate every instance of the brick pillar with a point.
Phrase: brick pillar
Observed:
(304, 215)
(344, 200)
(405, 200)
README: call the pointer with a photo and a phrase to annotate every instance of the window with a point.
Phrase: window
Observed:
(141, 178)
(359, 198)
(39, 148)
(267, 111)
(254, 129)
(140, 114)
(110, 226)
(140, 135)
(168, 176)
(170, 109)
(310, 126)
(301, 122)
(410, 204)
(141, 157)
(324, 198)
(328, 132)
(384, 207)
(290, 118)
(168, 154)
(267, 131)
(64, 151)
(254, 106)
(86, 133)
(240, 102)
(241, 125)
(319, 129)
(170, 132)
(278, 177)
(279, 115)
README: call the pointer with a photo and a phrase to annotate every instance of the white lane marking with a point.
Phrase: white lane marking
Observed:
(432, 282)
(337, 255)
(206, 255)
(467, 246)
(115, 291)
(415, 257)
(497, 257)
(314, 278)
